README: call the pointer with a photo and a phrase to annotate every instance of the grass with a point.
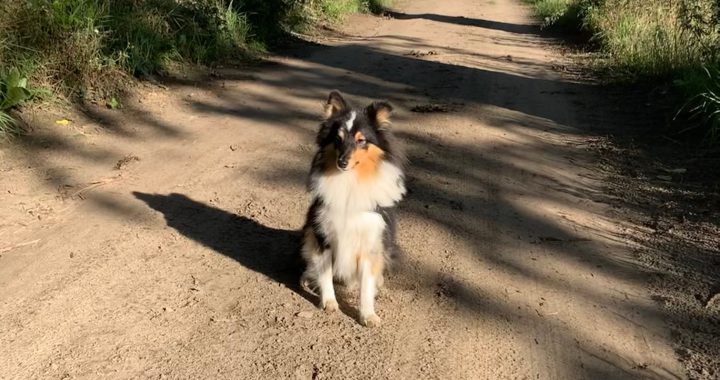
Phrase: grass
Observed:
(91, 49)
(652, 40)
(560, 14)
(552, 12)
(702, 89)
(80, 49)
(337, 9)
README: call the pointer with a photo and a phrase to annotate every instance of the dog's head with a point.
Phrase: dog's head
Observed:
(355, 139)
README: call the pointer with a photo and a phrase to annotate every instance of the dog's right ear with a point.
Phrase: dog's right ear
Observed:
(335, 105)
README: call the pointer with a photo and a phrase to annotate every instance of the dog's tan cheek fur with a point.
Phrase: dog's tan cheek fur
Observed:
(367, 161)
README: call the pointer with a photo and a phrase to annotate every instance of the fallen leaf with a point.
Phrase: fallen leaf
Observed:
(62, 122)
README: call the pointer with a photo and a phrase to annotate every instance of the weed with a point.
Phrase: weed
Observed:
(8, 126)
(13, 92)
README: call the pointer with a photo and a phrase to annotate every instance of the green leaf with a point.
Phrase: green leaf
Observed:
(15, 96)
(13, 78)
(113, 103)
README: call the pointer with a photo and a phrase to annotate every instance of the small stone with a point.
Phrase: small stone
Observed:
(304, 314)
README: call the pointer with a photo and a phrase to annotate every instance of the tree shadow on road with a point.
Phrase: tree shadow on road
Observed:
(462, 188)
(465, 21)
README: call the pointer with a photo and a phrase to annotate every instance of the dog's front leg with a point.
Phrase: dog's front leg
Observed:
(369, 270)
(325, 283)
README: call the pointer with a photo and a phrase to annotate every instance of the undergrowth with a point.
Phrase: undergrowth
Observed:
(80, 49)
(656, 40)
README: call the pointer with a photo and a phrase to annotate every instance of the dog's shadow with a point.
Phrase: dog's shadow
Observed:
(269, 251)
(272, 252)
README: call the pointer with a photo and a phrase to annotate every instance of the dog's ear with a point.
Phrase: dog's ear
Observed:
(379, 112)
(335, 105)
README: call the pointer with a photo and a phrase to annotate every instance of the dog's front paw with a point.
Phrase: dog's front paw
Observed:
(371, 320)
(330, 306)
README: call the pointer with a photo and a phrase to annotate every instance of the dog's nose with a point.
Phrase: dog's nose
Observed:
(342, 162)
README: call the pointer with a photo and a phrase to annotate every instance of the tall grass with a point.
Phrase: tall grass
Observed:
(80, 47)
(702, 89)
(652, 40)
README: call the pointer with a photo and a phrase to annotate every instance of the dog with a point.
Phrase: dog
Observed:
(356, 180)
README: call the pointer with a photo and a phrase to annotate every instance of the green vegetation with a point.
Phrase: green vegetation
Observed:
(378, 6)
(78, 49)
(702, 88)
(13, 92)
(559, 13)
(653, 40)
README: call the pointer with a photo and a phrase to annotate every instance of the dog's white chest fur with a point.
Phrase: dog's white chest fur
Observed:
(348, 214)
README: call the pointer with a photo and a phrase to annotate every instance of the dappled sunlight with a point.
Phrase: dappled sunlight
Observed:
(491, 193)
(504, 229)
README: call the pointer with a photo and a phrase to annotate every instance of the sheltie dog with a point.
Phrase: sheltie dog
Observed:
(356, 180)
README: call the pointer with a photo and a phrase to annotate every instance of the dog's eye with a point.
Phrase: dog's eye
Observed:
(361, 141)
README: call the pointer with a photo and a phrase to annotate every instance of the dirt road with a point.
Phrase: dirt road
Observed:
(180, 264)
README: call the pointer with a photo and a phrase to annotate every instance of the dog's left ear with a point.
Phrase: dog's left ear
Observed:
(379, 112)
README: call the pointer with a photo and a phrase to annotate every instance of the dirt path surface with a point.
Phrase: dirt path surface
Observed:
(181, 264)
